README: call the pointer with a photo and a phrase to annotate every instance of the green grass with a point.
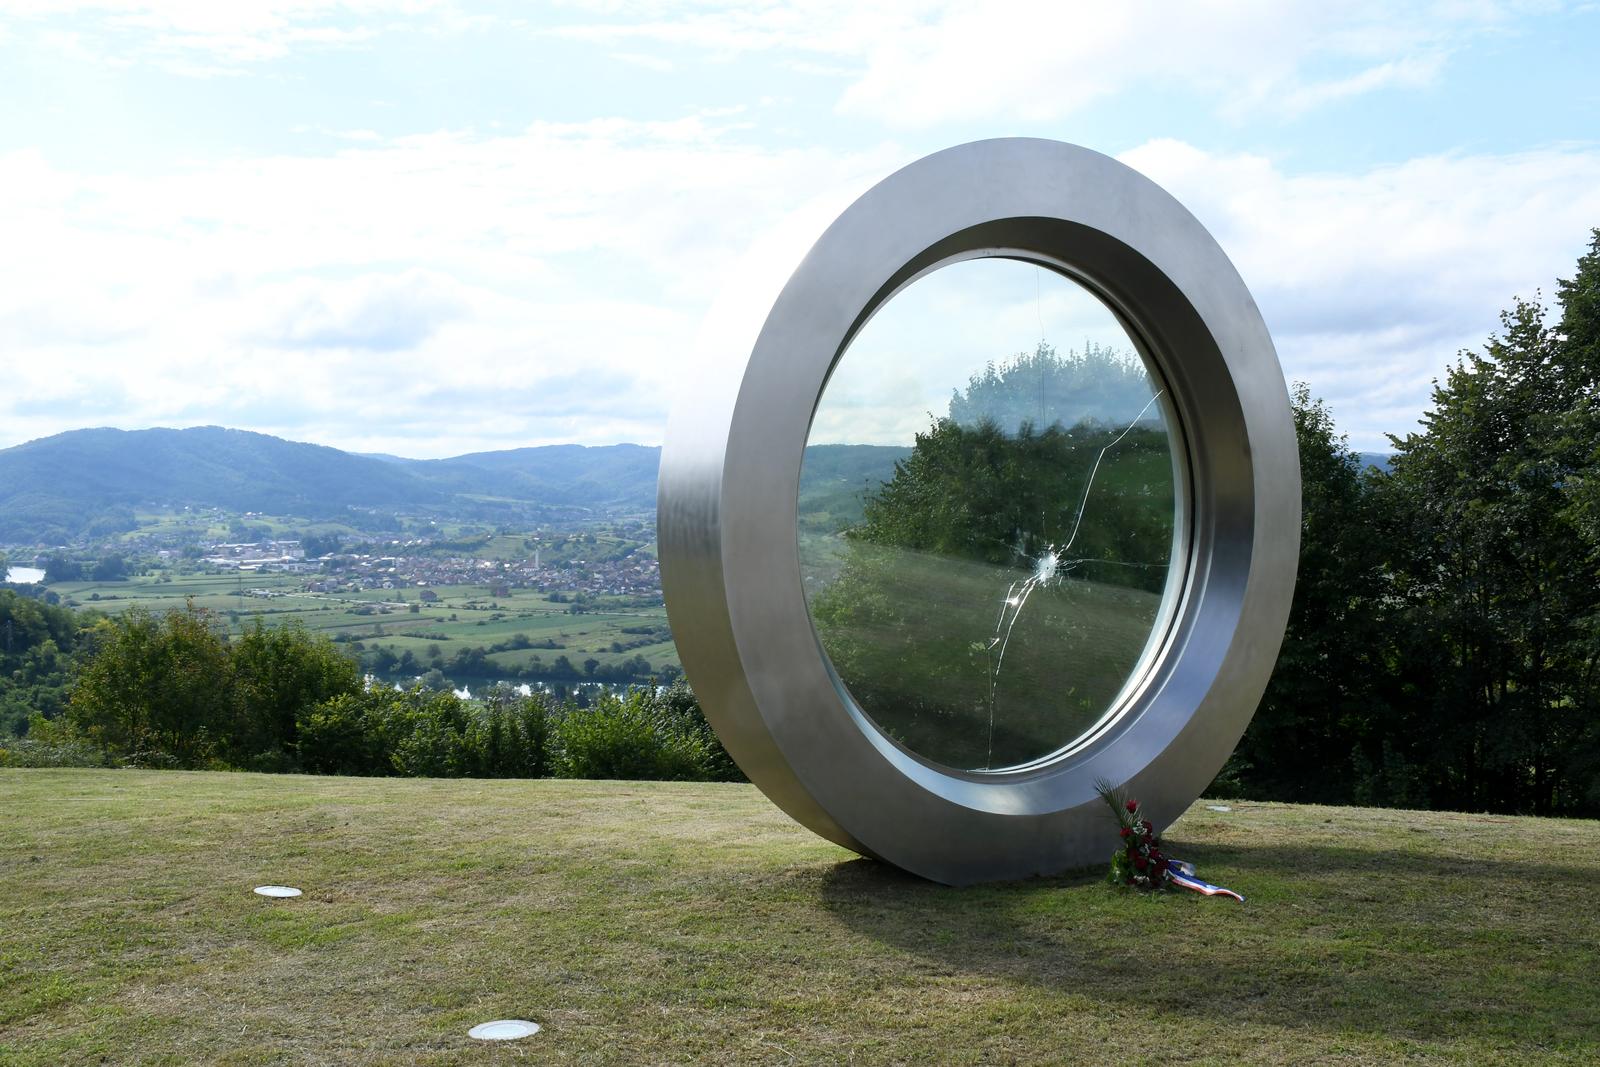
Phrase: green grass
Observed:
(674, 923)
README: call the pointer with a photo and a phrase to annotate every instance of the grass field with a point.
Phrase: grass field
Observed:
(674, 923)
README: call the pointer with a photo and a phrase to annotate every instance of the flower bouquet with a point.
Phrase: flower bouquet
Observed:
(1140, 862)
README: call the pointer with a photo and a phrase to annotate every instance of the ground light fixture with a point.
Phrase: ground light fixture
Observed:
(277, 891)
(503, 1030)
(978, 759)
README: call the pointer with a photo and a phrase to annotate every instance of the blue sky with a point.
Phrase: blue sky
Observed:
(431, 228)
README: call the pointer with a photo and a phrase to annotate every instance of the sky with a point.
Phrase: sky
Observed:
(937, 333)
(429, 228)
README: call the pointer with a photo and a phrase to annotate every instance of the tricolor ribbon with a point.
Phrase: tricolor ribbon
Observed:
(1183, 875)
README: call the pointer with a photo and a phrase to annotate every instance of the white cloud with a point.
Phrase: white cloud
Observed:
(1411, 72)
(441, 292)
(378, 313)
(1372, 282)
(920, 64)
(205, 38)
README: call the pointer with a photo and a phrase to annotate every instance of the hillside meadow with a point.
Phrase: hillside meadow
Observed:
(660, 923)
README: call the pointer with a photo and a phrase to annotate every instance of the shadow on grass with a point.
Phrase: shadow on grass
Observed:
(1389, 942)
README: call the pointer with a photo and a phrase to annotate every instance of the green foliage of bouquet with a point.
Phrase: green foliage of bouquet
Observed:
(1139, 861)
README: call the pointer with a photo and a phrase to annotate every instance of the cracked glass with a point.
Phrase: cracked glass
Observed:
(987, 515)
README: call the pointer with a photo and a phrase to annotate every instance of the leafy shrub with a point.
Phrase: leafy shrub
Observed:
(346, 735)
(173, 690)
(274, 673)
(32, 752)
(426, 733)
(679, 703)
(53, 743)
(629, 738)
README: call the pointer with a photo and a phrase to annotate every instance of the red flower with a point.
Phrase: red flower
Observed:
(1132, 805)
(1139, 862)
(1126, 833)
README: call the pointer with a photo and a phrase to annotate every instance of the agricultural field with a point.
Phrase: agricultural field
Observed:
(537, 627)
(567, 627)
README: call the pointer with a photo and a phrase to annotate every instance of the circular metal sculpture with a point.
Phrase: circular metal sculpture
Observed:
(731, 557)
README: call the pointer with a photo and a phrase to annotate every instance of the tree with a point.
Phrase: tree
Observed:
(277, 673)
(1046, 388)
(316, 545)
(1580, 341)
(159, 688)
(1326, 694)
(40, 647)
(1486, 555)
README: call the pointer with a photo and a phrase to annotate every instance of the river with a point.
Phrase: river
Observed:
(25, 575)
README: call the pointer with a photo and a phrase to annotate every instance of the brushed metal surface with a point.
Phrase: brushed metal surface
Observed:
(730, 483)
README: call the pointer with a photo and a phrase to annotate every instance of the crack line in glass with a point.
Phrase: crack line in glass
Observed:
(1048, 568)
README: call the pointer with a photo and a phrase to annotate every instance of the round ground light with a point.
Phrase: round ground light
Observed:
(504, 1030)
(277, 891)
(728, 514)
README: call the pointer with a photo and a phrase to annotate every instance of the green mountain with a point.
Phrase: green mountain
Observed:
(602, 477)
(91, 482)
(835, 481)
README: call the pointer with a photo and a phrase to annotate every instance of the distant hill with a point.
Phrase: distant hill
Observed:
(90, 481)
(589, 476)
(834, 481)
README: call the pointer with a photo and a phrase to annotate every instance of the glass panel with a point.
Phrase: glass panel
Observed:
(987, 514)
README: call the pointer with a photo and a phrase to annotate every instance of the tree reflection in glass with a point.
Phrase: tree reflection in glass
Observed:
(985, 544)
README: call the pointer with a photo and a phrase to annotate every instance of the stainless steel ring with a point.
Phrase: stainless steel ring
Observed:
(730, 482)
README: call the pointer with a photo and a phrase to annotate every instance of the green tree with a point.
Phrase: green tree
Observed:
(1579, 329)
(41, 646)
(1327, 695)
(159, 689)
(1492, 569)
(278, 672)
(1045, 387)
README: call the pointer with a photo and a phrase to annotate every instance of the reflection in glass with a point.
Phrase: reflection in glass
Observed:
(986, 526)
